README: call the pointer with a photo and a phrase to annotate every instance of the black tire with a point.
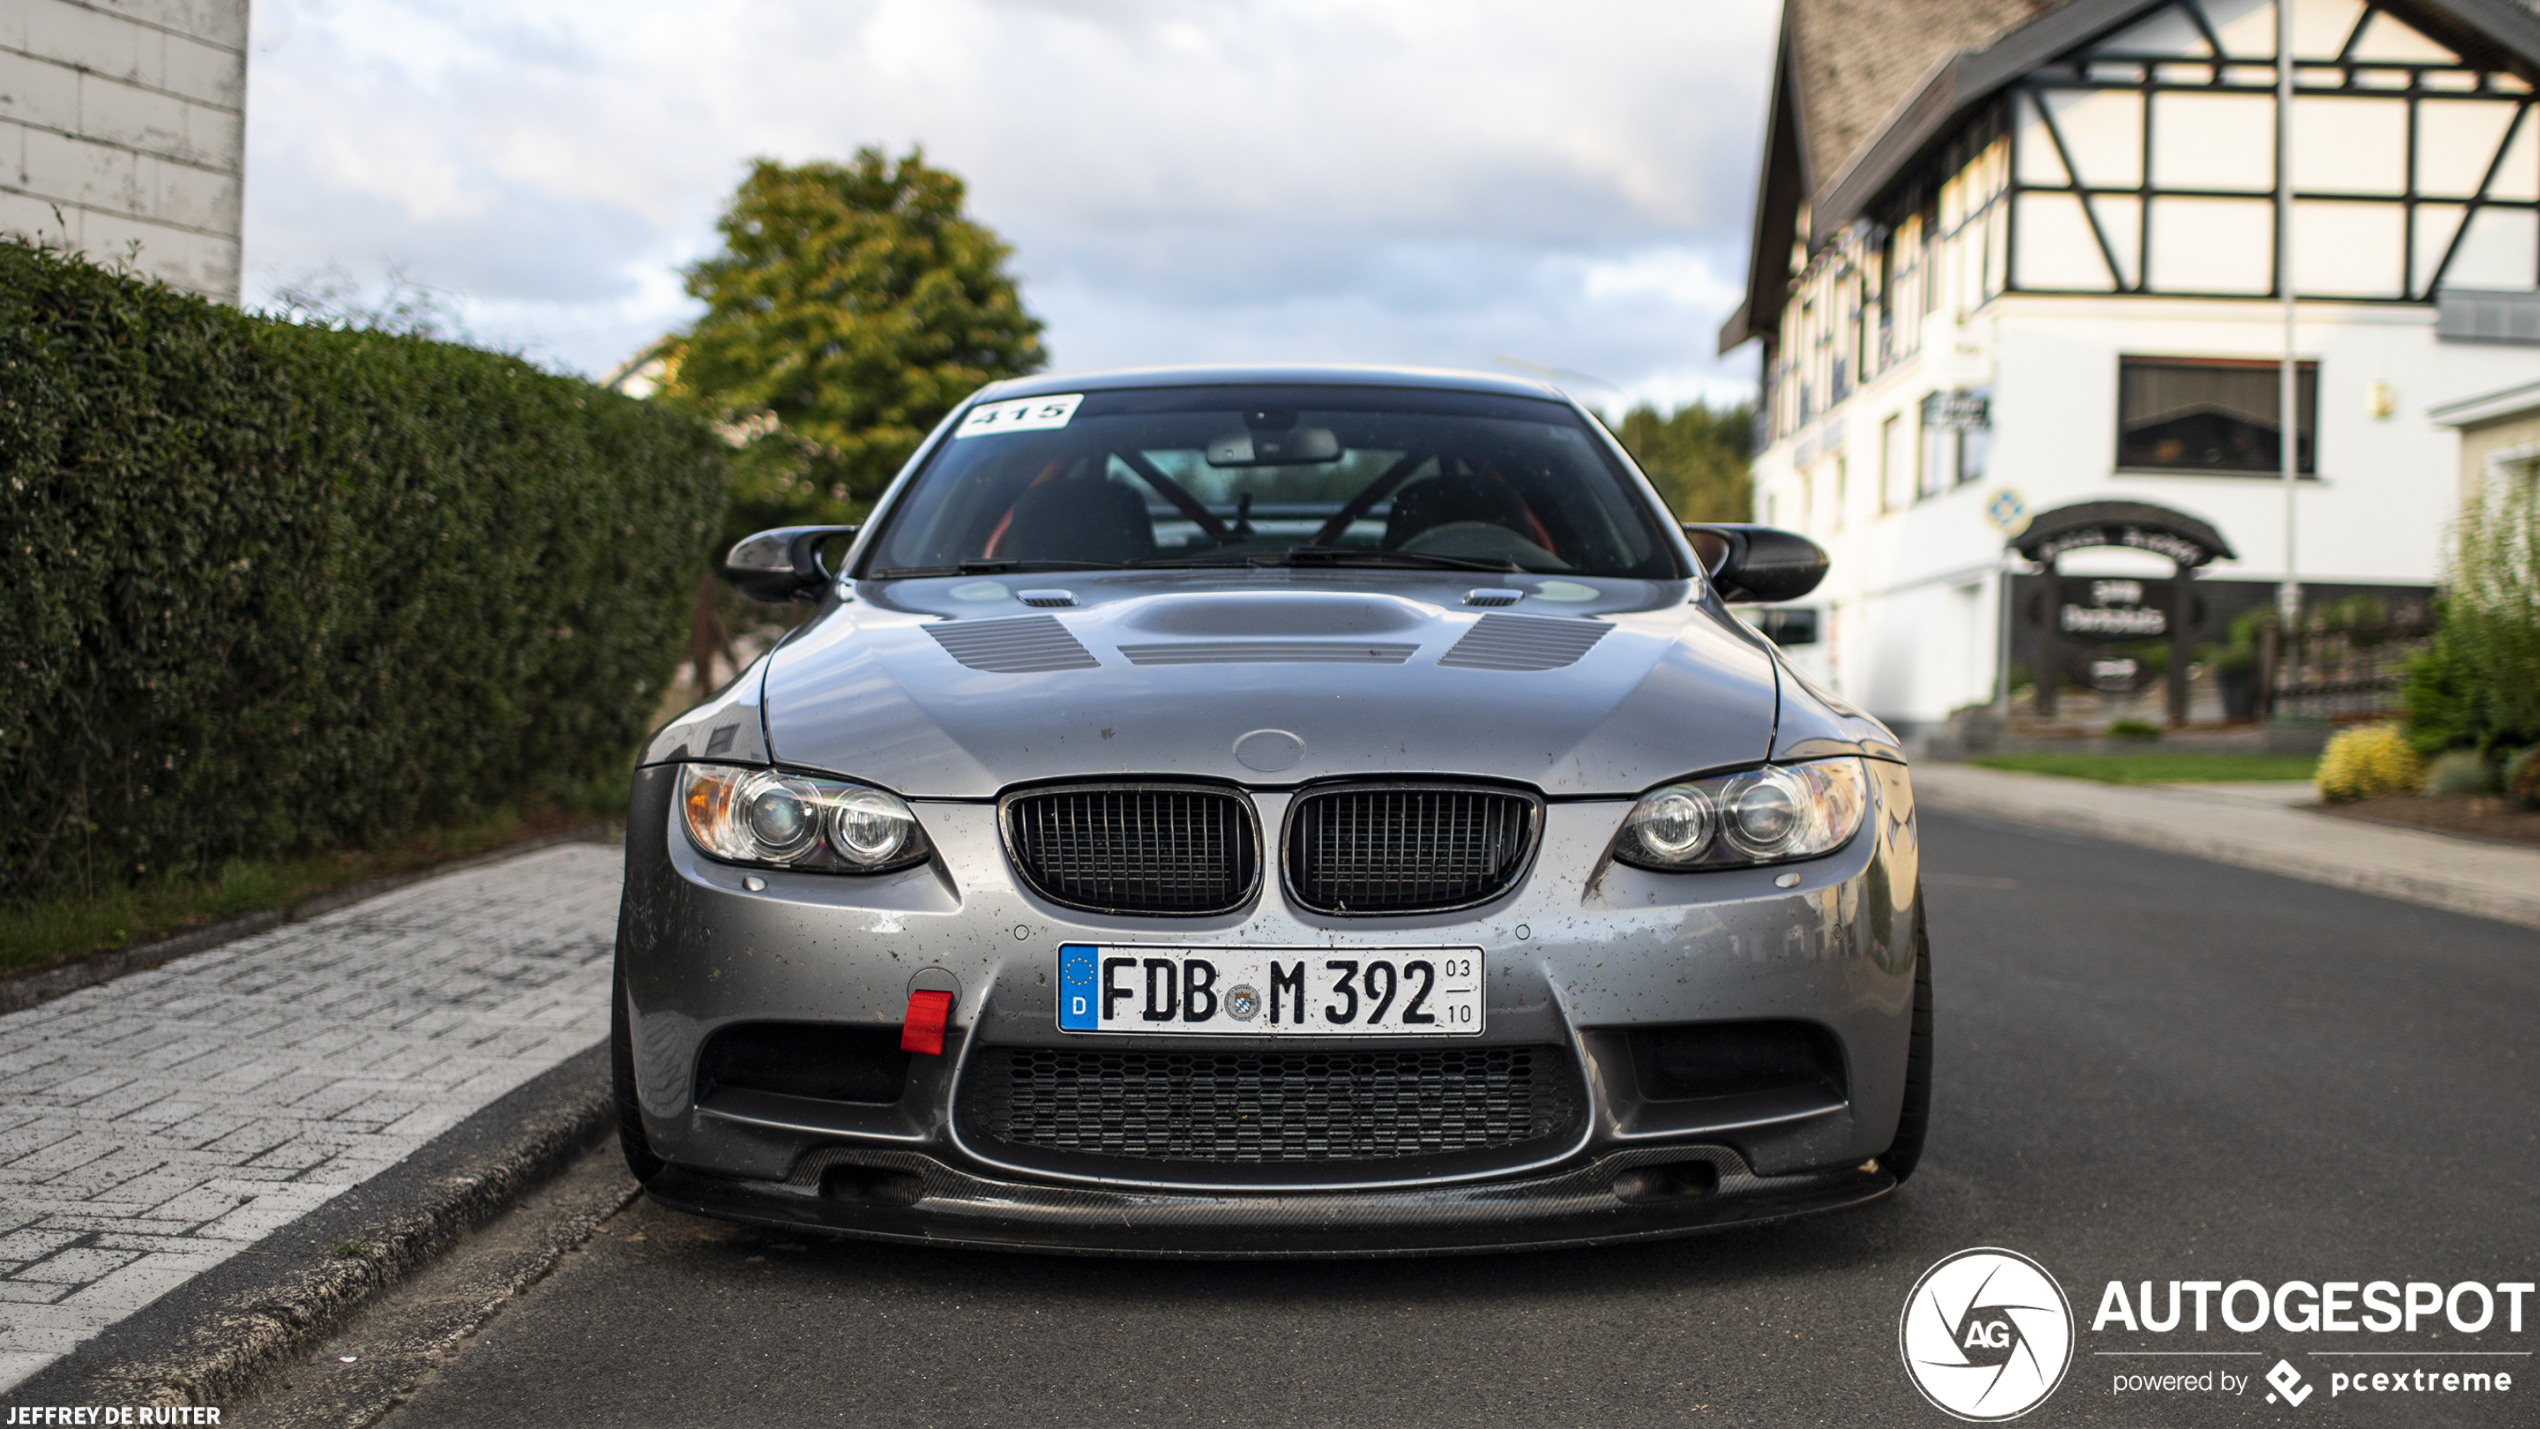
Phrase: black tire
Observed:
(630, 1115)
(1914, 1121)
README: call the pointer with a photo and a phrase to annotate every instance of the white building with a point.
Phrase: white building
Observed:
(2021, 254)
(123, 130)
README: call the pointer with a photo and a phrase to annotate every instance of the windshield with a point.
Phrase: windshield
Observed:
(1299, 475)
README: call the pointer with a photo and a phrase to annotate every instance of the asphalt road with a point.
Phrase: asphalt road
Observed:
(2150, 1067)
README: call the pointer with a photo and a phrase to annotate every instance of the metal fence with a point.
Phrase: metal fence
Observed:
(2335, 665)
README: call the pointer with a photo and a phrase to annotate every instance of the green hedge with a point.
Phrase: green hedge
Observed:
(271, 588)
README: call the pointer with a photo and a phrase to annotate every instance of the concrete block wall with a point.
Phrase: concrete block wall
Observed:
(123, 132)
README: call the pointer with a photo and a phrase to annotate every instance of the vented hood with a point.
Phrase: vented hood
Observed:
(955, 689)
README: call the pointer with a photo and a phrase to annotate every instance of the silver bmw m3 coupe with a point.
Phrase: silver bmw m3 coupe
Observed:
(1277, 811)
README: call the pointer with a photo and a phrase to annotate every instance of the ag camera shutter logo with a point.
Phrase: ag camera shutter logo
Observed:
(1986, 1335)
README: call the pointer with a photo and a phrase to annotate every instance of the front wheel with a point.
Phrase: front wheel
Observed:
(1900, 1158)
(630, 1114)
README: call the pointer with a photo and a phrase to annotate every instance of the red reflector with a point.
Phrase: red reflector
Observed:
(923, 1029)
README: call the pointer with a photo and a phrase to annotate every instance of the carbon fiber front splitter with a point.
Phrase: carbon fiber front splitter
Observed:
(1641, 1194)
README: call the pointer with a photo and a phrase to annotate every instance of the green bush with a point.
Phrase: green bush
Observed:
(2460, 771)
(2240, 651)
(2522, 778)
(277, 587)
(2134, 729)
(2479, 685)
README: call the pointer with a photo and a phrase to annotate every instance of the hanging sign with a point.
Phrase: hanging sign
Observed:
(2136, 525)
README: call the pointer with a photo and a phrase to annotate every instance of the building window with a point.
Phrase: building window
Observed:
(1975, 451)
(1957, 440)
(1892, 459)
(2212, 415)
(1842, 490)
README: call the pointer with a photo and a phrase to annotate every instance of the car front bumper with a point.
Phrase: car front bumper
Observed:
(1585, 956)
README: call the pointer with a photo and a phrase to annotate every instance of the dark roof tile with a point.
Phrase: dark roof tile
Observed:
(1855, 61)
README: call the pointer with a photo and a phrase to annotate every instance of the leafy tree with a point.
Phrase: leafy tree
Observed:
(852, 306)
(1698, 457)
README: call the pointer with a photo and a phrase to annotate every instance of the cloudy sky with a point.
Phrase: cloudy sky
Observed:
(1458, 182)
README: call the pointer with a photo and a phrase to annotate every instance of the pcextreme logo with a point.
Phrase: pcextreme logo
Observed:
(1986, 1335)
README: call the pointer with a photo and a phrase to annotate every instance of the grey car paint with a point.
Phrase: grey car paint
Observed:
(1581, 950)
(868, 694)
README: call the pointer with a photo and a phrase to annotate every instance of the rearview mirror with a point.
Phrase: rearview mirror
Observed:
(1757, 563)
(1296, 447)
(783, 565)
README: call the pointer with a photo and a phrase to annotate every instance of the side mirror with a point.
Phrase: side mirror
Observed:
(1757, 563)
(783, 565)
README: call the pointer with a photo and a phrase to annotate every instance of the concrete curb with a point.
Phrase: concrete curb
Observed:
(215, 1338)
(24, 989)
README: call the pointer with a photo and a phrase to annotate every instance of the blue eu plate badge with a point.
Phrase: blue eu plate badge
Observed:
(1077, 987)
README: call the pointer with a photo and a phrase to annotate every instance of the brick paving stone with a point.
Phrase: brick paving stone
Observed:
(68, 1154)
(31, 1244)
(152, 1126)
(167, 1112)
(84, 1266)
(28, 1139)
(49, 1342)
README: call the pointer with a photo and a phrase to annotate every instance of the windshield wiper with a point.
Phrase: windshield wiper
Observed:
(1207, 558)
(1311, 555)
(987, 568)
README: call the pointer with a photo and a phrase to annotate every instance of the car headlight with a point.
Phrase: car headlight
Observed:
(1769, 815)
(767, 816)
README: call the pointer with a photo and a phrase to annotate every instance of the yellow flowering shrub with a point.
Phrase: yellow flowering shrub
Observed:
(2363, 762)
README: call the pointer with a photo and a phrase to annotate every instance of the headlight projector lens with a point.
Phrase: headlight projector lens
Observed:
(1769, 815)
(778, 820)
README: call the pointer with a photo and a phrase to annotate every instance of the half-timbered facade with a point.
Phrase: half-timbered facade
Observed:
(2013, 254)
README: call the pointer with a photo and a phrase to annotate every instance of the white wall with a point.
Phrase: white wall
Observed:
(123, 122)
(1913, 590)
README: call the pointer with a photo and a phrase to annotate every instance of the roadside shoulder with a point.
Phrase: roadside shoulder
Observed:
(2240, 826)
(214, 1338)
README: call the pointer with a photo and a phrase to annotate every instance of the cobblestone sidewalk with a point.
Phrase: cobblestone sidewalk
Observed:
(154, 1126)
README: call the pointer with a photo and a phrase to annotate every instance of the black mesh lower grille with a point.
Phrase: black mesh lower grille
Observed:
(1271, 1107)
(1406, 850)
(1164, 849)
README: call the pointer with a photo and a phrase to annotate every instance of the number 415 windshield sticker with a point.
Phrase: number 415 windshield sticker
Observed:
(1024, 414)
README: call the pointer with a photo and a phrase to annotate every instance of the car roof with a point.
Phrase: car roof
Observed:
(1331, 374)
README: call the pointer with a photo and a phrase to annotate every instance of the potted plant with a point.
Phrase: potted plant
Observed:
(2235, 664)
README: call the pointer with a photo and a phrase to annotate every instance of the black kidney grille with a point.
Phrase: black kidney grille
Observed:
(1164, 849)
(1271, 1107)
(1406, 850)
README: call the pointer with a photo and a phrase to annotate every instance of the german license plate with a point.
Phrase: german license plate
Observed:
(1292, 992)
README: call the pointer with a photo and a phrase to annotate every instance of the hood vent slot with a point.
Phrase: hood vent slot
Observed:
(1024, 646)
(1268, 652)
(1523, 642)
